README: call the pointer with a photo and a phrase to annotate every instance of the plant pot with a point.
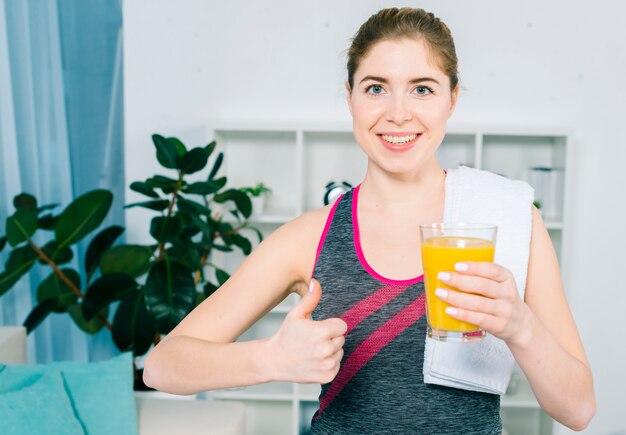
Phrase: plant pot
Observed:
(258, 205)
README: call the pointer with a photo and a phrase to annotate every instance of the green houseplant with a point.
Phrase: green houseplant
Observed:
(154, 286)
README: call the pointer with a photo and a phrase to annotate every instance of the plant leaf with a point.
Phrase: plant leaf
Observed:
(211, 147)
(133, 260)
(7, 280)
(165, 229)
(3, 242)
(206, 187)
(157, 204)
(192, 207)
(221, 275)
(132, 328)
(143, 188)
(181, 149)
(92, 326)
(170, 294)
(104, 290)
(195, 160)
(167, 152)
(209, 289)
(216, 165)
(47, 222)
(54, 288)
(243, 243)
(25, 201)
(206, 229)
(166, 184)
(82, 216)
(46, 207)
(19, 262)
(59, 256)
(38, 315)
(190, 229)
(21, 226)
(100, 243)
(21, 258)
(186, 253)
(244, 205)
(223, 248)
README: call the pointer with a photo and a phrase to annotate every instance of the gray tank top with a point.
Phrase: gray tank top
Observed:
(380, 387)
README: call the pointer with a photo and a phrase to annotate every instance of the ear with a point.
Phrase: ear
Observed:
(453, 98)
(349, 96)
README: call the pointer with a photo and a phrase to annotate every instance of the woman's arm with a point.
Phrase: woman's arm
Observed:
(549, 350)
(540, 330)
(199, 354)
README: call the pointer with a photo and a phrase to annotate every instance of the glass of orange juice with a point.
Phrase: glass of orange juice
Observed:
(444, 245)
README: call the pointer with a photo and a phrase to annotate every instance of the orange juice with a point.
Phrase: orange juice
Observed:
(440, 254)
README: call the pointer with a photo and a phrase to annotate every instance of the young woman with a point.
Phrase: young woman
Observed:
(359, 329)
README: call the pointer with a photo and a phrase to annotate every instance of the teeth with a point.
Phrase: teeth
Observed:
(399, 139)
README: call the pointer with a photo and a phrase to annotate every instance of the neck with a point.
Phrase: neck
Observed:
(403, 193)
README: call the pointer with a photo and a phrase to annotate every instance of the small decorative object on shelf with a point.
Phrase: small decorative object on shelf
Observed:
(258, 195)
(334, 190)
(548, 185)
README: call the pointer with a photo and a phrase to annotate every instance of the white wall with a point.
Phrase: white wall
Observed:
(527, 62)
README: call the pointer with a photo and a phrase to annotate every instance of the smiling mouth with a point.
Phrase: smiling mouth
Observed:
(399, 140)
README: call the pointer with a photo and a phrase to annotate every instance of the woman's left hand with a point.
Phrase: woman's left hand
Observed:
(488, 299)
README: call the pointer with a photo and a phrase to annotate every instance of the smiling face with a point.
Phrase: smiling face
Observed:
(400, 104)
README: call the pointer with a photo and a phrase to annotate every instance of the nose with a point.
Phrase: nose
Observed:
(398, 111)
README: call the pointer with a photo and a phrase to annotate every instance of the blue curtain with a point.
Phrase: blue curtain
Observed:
(61, 135)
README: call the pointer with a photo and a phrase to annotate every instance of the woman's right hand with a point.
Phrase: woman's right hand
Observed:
(304, 350)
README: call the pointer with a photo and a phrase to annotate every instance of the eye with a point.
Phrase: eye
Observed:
(423, 90)
(374, 89)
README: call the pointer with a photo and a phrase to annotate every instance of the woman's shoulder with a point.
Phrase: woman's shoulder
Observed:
(300, 237)
(472, 178)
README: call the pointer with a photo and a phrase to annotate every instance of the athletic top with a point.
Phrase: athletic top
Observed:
(380, 387)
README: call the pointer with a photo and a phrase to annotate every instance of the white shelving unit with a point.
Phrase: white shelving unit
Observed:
(296, 162)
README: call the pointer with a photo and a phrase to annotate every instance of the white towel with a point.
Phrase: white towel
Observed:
(477, 196)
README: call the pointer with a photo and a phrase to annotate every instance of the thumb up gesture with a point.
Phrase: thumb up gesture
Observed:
(305, 350)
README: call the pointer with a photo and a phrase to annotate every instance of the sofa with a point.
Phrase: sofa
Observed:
(154, 415)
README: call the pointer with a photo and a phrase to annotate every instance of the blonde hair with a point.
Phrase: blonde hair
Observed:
(416, 23)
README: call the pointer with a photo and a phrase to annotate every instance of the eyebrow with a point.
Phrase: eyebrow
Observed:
(412, 81)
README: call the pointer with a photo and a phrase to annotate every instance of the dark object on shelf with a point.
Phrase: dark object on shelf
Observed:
(334, 190)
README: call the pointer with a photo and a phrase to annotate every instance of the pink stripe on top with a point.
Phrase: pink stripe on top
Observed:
(370, 347)
(329, 221)
(359, 249)
(373, 302)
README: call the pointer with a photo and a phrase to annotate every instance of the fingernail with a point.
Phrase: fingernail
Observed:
(444, 276)
(461, 267)
(441, 293)
(451, 310)
(311, 286)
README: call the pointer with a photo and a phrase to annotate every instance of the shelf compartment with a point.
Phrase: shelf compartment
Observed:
(526, 421)
(263, 156)
(457, 149)
(264, 328)
(513, 155)
(330, 156)
(307, 410)
(287, 304)
(308, 392)
(267, 417)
